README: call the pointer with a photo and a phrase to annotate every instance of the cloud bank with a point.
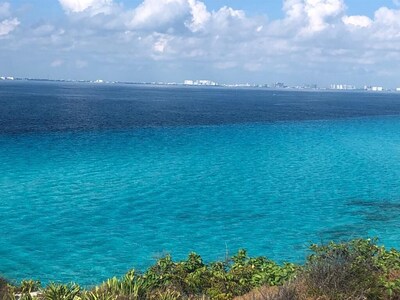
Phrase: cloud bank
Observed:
(317, 39)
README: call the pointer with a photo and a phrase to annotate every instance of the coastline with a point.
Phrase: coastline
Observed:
(348, 270)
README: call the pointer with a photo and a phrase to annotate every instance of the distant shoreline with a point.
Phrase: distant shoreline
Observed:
(232, 86)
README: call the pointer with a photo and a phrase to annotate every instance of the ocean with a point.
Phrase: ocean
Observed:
(98, 179)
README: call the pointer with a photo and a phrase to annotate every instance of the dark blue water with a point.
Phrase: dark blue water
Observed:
(45, 107)
(97, 179)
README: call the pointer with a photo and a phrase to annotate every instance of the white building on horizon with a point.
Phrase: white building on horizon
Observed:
(7, 78)
(374, 88)
(188, 82)
(200, 82)
(342, 87)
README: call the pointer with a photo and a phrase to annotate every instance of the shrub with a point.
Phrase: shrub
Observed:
(61, 291)
(359, 269)
(29, 286)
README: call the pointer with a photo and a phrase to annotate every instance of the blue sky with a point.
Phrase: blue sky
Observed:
(295, 41)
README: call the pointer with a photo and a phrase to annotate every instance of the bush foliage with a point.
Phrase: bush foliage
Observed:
(359, 269)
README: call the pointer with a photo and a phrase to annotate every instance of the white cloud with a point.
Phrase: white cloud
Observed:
(227, 17)
(357, 21)
(388, 17)
(8, 25)
(294, 9)
(321, 13)
(94, 6)
(7, 22)
(158, 14)
(162, 16)
(200, 16)
(312, 15)
(160, 45)
(386, 27)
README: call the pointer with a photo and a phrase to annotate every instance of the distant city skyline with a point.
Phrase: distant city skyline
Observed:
(210, 83)
(341, 42)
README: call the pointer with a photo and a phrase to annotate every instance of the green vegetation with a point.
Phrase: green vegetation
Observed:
(359, 269)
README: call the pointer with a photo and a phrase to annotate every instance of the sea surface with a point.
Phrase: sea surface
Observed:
(98, 179)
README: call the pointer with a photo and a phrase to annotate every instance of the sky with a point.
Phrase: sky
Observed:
(228, 41)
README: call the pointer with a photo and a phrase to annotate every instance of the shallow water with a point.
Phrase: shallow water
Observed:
(97, 180)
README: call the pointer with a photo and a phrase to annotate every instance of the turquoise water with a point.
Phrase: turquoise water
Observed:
(84, 206)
